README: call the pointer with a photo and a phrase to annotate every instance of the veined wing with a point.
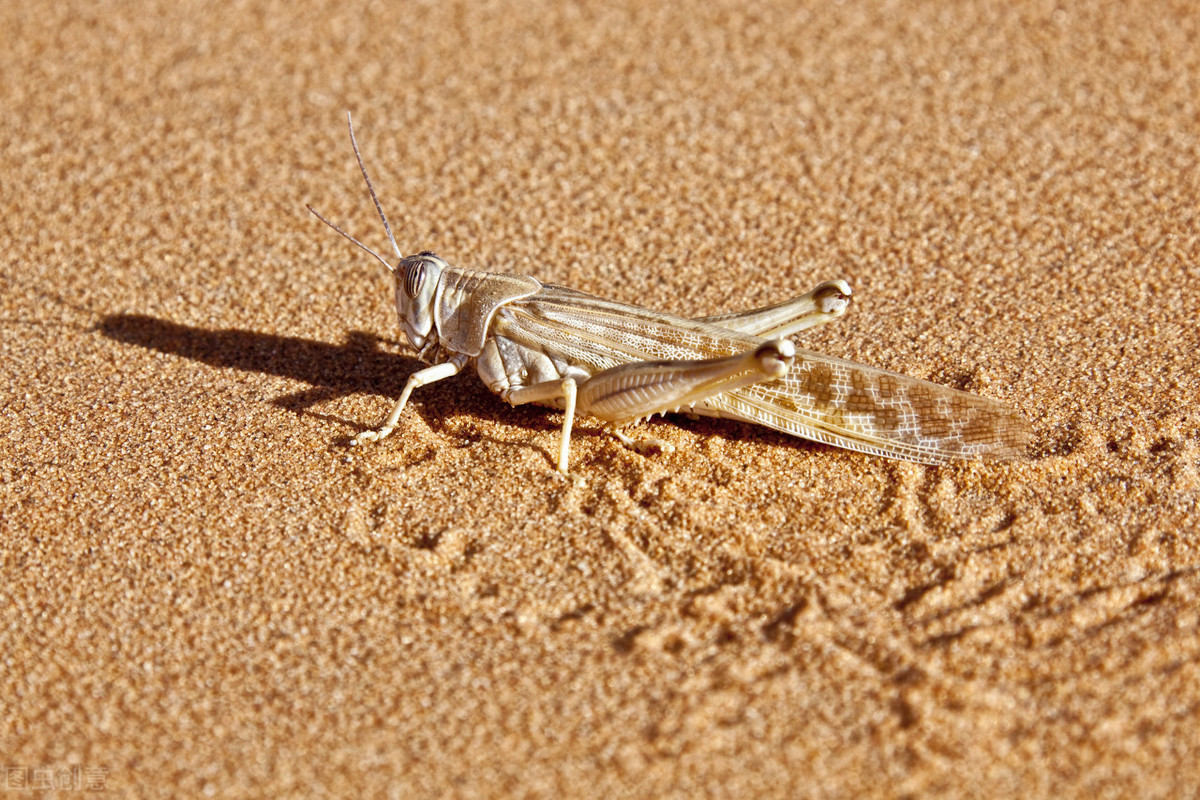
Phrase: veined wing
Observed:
(874, 411)
(825, 399)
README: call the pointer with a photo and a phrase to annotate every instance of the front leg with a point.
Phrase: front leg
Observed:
(422, 377)
(629, 392)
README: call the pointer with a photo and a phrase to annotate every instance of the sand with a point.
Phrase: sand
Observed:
(207, 592)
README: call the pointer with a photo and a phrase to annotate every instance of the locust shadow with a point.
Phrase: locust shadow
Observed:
(357, 365)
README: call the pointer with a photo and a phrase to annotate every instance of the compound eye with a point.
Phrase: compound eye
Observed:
(414, 276)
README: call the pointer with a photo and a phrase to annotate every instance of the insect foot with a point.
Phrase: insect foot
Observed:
(368, 436)
(647, 445)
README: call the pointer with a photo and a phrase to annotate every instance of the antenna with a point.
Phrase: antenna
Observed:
(371, 188)
(351, 238)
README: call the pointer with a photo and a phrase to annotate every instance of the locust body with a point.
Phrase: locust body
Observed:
(548, 344)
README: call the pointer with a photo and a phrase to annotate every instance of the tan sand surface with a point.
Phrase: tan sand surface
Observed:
(206, 592)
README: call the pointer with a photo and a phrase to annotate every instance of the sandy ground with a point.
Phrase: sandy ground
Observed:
(206, 591)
